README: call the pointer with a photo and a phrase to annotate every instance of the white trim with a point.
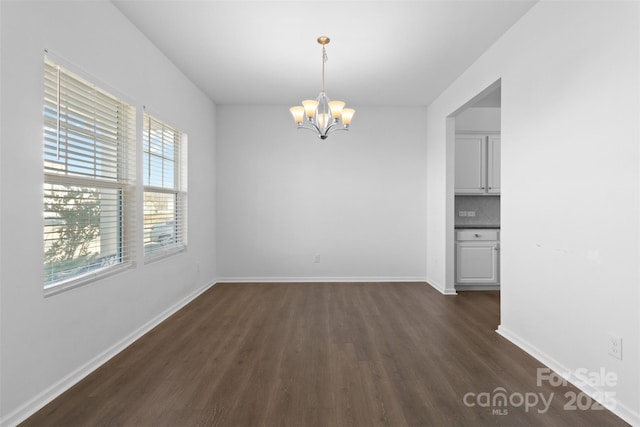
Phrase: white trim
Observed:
(621, 410)
(158, 255)
(317, 279)
(480, 287)
(57, 288)
(435, 285)
(50, 393)
(85, 74)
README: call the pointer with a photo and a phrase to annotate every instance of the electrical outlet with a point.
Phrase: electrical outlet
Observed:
(614, 346)
(471, 213)
(462, 213)
(316, 260)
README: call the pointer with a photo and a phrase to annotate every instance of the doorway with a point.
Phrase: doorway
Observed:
(477, 190)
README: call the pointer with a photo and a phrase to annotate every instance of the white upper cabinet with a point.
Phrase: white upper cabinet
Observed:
(477, 169)
(471, 174)
(493, 164)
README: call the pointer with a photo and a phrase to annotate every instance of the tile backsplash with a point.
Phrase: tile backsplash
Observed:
(486, 208)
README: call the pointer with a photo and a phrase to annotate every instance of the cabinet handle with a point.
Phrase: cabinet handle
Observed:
(478, 235)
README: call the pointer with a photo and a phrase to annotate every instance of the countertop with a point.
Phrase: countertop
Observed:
(495, 227)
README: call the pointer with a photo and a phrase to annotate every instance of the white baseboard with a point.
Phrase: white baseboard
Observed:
(38, 402)
(317, 279)
(441, 288)
(621, 410)
(334, 280)
(477, 287)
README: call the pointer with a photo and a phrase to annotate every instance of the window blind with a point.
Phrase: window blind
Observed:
(89, 169)
(165, 188)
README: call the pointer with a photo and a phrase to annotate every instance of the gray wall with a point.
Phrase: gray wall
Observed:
(49, 343)
(358, 199)
(570, 229)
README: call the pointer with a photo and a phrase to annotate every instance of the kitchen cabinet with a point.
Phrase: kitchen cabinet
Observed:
(477, 258)
(477, 164)
(493, 164)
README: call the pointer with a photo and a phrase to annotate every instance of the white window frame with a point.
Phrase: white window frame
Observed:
(78, 116)
(164, 175)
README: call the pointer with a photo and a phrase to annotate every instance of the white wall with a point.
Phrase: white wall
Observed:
(47, 343)
(478, 119)
(358, 198)
(570, 186)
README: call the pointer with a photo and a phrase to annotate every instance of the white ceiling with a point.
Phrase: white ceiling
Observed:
(391, 53)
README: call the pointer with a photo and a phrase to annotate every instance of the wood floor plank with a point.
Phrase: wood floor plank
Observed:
(318, 354)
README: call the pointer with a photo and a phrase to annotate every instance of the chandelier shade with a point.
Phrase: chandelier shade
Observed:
(322, 115)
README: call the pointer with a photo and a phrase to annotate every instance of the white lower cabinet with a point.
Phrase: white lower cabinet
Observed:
(477, 258)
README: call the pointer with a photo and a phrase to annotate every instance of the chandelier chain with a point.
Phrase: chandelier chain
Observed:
(325, 58)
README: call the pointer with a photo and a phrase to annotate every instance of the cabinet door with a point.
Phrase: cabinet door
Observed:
(493, 169)
(470, 172)
(477, 262)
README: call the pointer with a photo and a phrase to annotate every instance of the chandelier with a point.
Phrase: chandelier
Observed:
(323, 116)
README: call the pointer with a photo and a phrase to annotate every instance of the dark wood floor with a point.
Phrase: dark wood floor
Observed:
(320, 354)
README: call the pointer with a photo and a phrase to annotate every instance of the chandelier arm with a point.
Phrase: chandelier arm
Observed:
(330, 128)
(333, 127)
(313, 127)
(316, 127)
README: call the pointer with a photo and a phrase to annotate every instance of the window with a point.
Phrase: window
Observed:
(89, 178)
(165, 196)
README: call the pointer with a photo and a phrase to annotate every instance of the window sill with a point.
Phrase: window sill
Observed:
(76, 282)
(159, 255)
